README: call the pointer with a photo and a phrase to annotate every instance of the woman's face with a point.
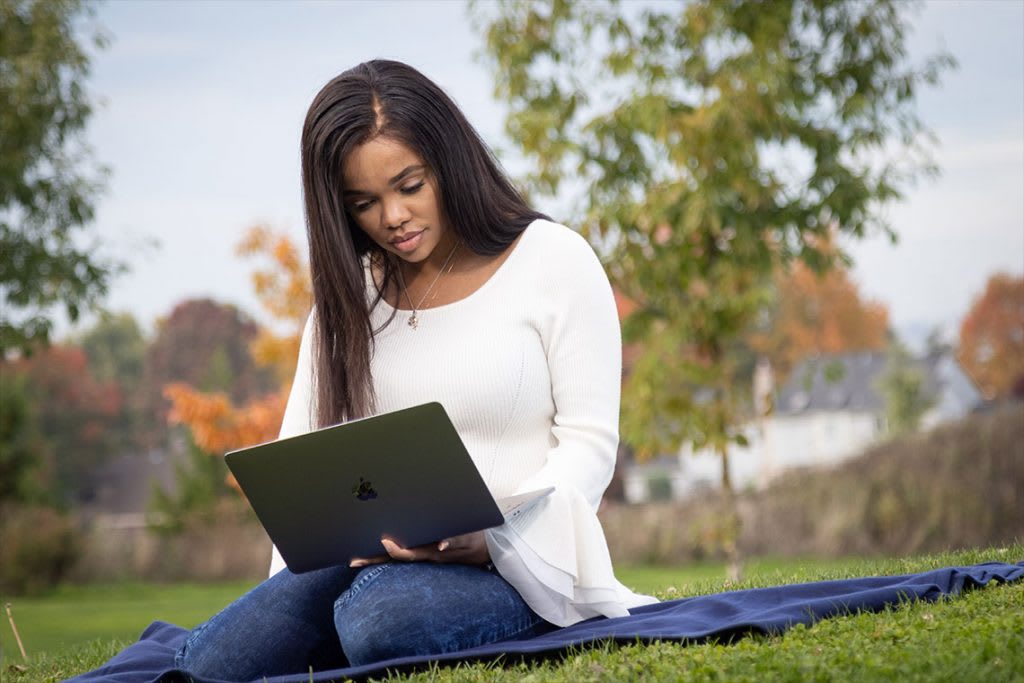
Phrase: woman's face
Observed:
(392, 195)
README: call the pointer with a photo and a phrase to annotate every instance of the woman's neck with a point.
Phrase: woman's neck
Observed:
(448, 248)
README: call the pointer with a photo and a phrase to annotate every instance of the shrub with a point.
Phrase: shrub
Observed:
(38, 546)
(959, 485)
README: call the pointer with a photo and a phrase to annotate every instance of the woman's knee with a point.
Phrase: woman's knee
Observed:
(399, 610)
(365, 615)
(280, 626)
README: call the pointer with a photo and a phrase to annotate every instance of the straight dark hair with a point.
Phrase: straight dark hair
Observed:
(383, 98)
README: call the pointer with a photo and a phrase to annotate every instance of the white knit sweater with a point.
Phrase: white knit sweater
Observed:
(528, 367)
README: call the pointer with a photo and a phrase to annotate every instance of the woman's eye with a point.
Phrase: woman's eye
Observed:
(412, 189)
(359, 207)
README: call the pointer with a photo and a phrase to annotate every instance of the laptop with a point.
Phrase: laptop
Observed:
(330, 495)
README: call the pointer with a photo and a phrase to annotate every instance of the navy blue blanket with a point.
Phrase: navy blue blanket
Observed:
(721, 616)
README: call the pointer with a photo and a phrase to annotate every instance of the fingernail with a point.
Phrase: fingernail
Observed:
(357, 563)
(443, 545)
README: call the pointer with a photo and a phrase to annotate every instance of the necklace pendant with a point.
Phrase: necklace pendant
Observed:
(413, 321)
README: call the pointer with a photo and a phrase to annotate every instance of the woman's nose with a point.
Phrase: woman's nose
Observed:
(395, 213)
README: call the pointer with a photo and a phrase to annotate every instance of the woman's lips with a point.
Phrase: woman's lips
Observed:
(408, 242)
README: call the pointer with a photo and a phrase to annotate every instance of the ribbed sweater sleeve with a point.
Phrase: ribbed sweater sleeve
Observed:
(581, 339)
(556, 554)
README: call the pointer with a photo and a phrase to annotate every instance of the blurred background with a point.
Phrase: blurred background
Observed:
(812, 215)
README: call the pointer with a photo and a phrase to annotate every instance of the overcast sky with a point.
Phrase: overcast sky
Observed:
(204, 102)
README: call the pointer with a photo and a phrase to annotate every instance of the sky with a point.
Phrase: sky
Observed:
(201, 108)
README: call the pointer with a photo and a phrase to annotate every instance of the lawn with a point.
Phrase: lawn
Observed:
(975, 637)
(73, 615)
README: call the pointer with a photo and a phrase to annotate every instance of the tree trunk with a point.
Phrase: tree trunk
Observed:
(730, 525)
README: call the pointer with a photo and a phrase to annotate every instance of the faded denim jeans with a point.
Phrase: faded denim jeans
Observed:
(338, 617)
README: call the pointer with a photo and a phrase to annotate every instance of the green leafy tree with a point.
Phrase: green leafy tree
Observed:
(47, 183)
(26, 468)
(700, 145)
(200, 492)
(904, 386)
(116, 350)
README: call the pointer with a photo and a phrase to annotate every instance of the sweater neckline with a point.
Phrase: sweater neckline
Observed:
(495, 276)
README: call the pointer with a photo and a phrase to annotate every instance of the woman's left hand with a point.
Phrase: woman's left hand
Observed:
(464, 549)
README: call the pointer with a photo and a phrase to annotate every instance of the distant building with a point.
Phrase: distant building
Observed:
(829, 409)
(122, 487)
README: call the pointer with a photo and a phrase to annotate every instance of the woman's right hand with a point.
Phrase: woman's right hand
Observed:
(465, 549)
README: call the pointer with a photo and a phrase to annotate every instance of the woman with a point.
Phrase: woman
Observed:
(433, 281)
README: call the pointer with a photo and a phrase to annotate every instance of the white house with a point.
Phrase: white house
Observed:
(830, 409)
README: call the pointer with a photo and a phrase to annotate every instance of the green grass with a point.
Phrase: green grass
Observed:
(708, 577)
(73, 615)
(975, 637)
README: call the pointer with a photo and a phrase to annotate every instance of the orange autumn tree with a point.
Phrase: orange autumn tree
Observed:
(283, 287)
(992, 336)
(818, 313)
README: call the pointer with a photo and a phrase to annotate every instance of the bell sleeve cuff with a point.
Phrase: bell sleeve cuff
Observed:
(556, 557)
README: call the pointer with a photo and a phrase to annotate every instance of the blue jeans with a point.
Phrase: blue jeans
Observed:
(338, 617)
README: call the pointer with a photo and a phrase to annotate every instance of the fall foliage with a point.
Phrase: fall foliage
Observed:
(992, 336)
(74, 413)
(218, 423)
(284, 289)
(818, 313)
(205, 344)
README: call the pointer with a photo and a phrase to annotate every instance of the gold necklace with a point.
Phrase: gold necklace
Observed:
(414, 318)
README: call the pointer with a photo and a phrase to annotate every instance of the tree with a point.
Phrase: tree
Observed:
(903, 384)
(25, 463)
(215, 422)
(201, 484)
(285, 291)
(992, 336)
(116, 350)
(703, 144)
(817, 313)
(204, 344)
(217, 425)
(75, 413)
(46, 188)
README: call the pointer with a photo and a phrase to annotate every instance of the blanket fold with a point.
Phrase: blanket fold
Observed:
(721, 616)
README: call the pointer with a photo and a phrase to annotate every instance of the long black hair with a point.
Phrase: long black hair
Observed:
(383, 98)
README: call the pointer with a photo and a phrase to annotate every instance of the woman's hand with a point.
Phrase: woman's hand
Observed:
(464, 549)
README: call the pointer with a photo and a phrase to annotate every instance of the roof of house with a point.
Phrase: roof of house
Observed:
(844, 382)
(833, 382)
(124, 484)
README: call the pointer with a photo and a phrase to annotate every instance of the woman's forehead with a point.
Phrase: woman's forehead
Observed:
(378, 163)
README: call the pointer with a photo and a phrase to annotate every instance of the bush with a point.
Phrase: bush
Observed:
(38, 546)
(201, 496)
(957, 486)
(960, 485)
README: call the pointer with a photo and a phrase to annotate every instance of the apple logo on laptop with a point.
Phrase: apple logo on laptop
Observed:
(364, 490)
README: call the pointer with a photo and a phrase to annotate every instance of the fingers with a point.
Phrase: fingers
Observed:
(365, 561)
(397, 552)
(432, 552)
(466, 549)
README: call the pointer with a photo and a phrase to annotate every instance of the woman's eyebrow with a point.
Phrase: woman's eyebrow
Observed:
(402, 175)
(407, 171)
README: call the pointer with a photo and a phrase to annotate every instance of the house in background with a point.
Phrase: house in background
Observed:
(829, 409)
(123, 486)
